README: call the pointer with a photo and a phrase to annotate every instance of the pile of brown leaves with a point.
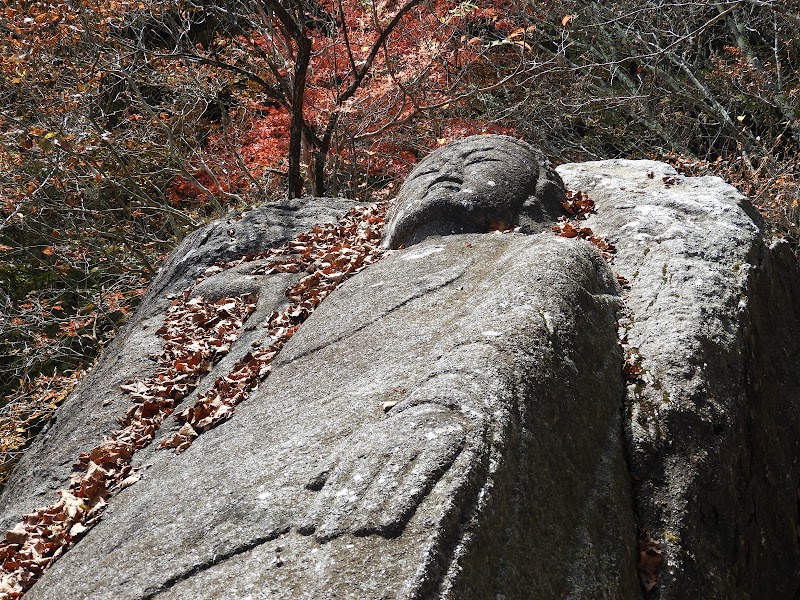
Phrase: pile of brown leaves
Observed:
(332, 253)
(579, 206)
(196, 333)
(193, 344)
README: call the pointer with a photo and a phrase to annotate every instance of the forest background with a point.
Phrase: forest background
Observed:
(126, 124)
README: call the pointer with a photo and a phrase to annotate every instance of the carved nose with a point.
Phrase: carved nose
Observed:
(453, 167)
(450, 175)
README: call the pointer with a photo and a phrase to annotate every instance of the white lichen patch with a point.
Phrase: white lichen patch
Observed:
(549, 323)
(422, 252)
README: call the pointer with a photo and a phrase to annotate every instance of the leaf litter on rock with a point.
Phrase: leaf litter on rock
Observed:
(196, 333)
(579, 206)
(331, 254)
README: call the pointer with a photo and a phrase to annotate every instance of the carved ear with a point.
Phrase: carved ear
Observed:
(549, 186)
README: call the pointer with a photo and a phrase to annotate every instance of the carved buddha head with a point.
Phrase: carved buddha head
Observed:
(474, 185)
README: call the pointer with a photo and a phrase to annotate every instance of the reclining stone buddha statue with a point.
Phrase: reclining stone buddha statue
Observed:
(420, 434)
(475, 185)
(453, 422)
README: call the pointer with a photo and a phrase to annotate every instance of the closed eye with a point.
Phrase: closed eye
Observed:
(474, 160)
(422, 173)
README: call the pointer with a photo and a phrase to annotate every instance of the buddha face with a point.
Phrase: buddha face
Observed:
(472, 185)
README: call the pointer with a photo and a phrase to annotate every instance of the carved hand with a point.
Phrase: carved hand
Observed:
(378, 477)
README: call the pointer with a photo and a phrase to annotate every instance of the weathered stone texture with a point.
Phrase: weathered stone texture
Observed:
(713, 427)
(500, 463)
(515, 461)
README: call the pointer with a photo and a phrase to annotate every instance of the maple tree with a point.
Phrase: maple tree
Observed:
(343, 71)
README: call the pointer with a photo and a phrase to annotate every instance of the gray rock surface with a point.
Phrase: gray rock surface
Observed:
(499, 471)
(475, 185)
(515, 461)
(713, 427)
(92, 411)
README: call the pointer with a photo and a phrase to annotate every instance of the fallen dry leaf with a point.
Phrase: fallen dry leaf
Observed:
(577, 204)
(650, 561)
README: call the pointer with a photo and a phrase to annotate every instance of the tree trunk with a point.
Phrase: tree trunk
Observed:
(321, 154)
(295, 182)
